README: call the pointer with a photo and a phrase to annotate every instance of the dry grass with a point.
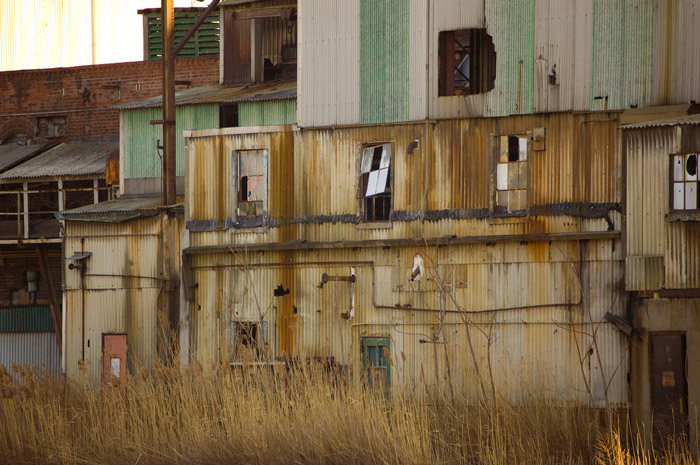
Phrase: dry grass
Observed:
(166, 416)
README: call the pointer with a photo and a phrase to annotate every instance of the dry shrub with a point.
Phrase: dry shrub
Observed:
(304, 415)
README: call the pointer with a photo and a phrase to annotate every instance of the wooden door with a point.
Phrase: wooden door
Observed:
(669, 395)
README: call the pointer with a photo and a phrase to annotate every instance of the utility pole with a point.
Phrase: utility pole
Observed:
(168, 175)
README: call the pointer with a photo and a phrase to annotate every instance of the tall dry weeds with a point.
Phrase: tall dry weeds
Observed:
(164, 416)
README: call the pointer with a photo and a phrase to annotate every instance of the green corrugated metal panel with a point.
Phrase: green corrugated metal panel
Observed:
(511, 23)
(384, 31)
(140, 137)
(622, 53)
(25, 319)
(204, 42)
(267, 113)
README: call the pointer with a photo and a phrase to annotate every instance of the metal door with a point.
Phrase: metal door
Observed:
(669, 394)
(113, 357)
(376, 359)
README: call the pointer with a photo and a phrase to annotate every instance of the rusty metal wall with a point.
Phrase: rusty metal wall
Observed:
(534, 302)
(120, 291)
(660, 252)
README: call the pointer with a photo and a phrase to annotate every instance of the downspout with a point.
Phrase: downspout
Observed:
(82, 306)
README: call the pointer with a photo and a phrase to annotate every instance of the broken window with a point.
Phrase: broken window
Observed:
(375, 183)
(251, 187)
(684, 181)
(248, 340)
(512, 175)
(466, 62)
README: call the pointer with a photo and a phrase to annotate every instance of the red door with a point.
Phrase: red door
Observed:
(113, 357)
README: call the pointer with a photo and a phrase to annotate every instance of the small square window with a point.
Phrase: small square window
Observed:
(250, 192)
(248, 340)
(684, 182)
(512, 174)
(375, 183)
(466, 62)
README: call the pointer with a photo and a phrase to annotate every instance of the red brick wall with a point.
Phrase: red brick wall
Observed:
(84, 95)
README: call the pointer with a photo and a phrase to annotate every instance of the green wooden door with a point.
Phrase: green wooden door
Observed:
(376, 360)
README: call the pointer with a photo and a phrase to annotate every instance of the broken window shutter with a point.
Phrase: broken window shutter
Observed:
(386, 156)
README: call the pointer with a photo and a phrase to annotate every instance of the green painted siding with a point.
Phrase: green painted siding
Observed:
(140, 137)
(512, 25)
(622, 53)
(267, 113)
(204, 42)
(25, 319)
(384, 38)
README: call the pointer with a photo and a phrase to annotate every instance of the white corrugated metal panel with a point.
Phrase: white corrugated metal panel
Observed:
(676, 61)
(35, 349)
(329, 62)
(416, 60)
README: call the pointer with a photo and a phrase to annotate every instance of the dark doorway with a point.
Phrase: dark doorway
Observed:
(669, 392)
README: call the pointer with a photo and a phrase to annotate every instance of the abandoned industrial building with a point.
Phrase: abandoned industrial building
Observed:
(487, 195)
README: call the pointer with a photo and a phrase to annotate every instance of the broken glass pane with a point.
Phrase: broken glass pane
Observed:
(522, 148)
(372, 183)
(115, 366)
(367, 160)
(382, 181)
(502, 176)
(691, 196)
(678, 195)
(678, 165)
(386, 156)
(691, 168)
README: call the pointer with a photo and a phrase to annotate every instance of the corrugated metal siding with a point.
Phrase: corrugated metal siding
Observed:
(512, 25)
(676, 66)
(34, 349)
(140, 137)
(622, 49)
(384, 40)
(329, 62)
(682, 257)
(25, 319)
(267, 113)
(122, 289)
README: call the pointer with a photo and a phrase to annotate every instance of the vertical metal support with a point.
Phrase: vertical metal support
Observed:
(168, 175)
(95, 190)
(61, 196)
(25, 208)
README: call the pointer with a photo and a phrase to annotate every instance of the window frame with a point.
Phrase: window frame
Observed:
(244, 221)
(685, 182)
(481, 65)
(362, 186)
(501, 156)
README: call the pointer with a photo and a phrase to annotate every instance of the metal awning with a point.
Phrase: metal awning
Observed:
(80, 256)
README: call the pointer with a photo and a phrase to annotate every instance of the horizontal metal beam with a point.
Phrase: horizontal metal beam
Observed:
(258, 13)
(417, 242)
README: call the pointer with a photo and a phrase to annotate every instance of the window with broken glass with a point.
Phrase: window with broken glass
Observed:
(250, 193)
(375, 183)
(466, 62)
(512, 175)
(248, 340)
(684, 182)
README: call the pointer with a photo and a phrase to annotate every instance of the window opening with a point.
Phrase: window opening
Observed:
(228, 116)
(375, 182)
(250, 196)
(512, 175)
(685, 181)
(248, 339)
(466, 62)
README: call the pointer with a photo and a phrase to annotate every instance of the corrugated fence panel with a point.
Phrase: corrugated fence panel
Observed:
(512, 25)
(35, 349)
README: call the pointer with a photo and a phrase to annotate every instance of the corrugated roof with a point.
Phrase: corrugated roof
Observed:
(116, 211)
(25, 319)
(74, 159)
(216, 93)
(692, 119)
(13, 155)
